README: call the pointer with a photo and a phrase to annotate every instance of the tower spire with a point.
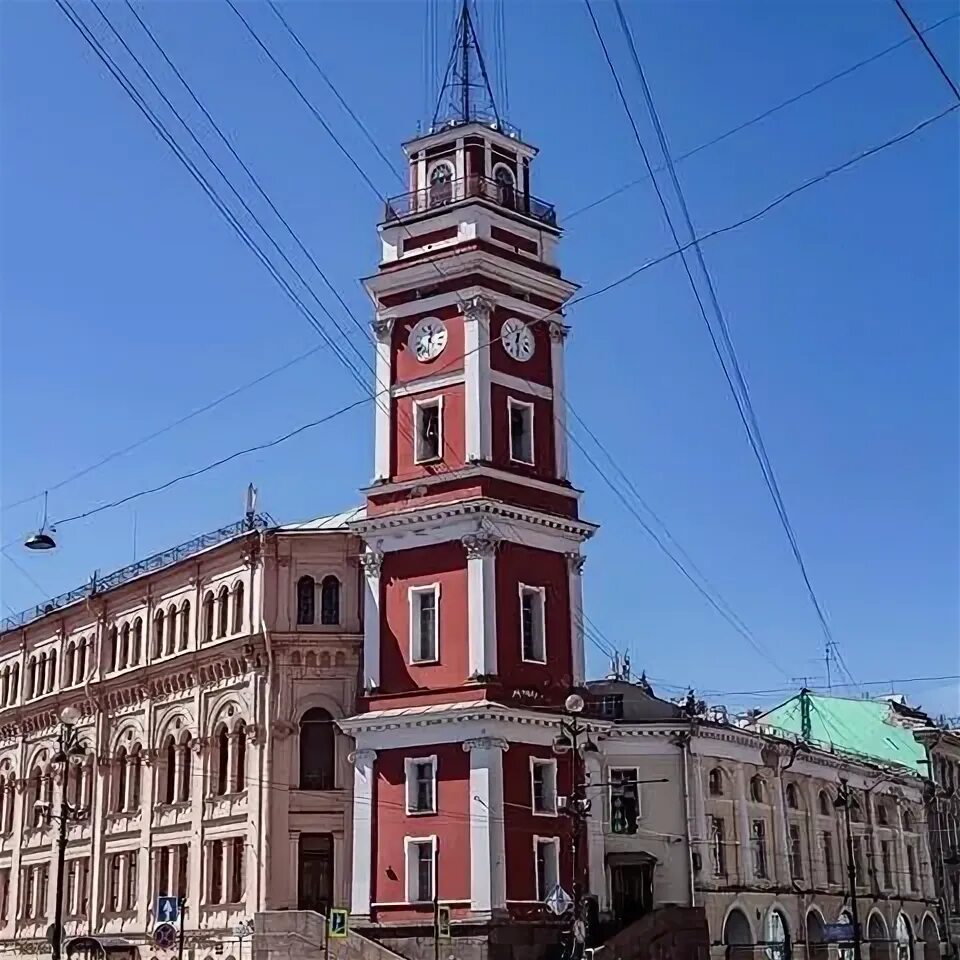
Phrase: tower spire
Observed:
(466, 94)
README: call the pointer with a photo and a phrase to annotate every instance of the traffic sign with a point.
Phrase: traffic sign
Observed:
(337, 924)
(168, 910)
(558, 901)
(165, 935)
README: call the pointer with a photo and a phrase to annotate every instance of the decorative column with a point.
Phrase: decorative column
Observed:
(575, 562)
(558, 334)
(781, 861)
(131, 761)
(488, 887)
(372, 562)
(481, 548)
(363, 800)
(178, 783)
(383, 328)
(745, 846)
(232, 762)
(597, 878)
(476, 375)
(699, 811)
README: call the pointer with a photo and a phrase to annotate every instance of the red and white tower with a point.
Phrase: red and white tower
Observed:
(473, 631)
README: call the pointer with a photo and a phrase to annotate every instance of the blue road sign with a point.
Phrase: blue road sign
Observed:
(837, 932)
(168, 910)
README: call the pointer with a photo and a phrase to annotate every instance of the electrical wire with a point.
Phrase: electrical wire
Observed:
(926, 46)
(24, 573)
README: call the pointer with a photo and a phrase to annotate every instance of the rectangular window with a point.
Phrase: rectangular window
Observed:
(533, 640)
(547, 865)
(424, 610)
(182, 854)
(624, 800)
(886, 863)
(215, 851)
(237, 870)
(421, 785)
(428, 422)
(43, 882)
(828, 861)
(758, 830)
(164, 858)
(420, 857)
(796, 852)
(133, 859)
(543, 786)
(718, 851)
(114, 899)
(859, 866)
(521, 430)
(912, 867)
(26, 885)
(4, 893)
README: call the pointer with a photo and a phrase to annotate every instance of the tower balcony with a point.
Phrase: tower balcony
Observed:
(446, 193)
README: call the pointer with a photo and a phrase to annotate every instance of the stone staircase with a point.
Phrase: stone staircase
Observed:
(301, 935)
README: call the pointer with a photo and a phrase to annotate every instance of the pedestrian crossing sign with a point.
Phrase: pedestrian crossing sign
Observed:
(337, 924)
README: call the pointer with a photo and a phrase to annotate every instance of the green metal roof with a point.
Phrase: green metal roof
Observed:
(863, 727)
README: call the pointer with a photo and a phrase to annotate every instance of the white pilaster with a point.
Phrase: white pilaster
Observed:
(558, 333)
(575, 562)
(476, 336)
(745, 846)
(383, 328)
(781, 857)
(481, 548)
(363, 800)
(595, 827)
(372, 561)
(488, 886)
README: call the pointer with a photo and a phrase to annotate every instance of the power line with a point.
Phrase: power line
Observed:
(24, 573)
(928, 48)
(756, 119)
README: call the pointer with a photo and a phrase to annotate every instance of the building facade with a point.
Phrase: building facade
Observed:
(208, 682)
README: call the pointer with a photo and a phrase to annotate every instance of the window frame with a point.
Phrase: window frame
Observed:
(758, 841)
(408, 843)
(550, 763)
(530, 410)
(795, 849)
(718, 839)
(527, 588)
(539, 841)
(610, 788)
(414, 623)
(410, 785)
(418, 406)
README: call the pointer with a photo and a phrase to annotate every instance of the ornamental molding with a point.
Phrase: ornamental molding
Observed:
(382, 327)
(477, 309)
(362, 758)
(372, 563)
(485, 743)
(575, 562)
(481, 544)
(557, 330)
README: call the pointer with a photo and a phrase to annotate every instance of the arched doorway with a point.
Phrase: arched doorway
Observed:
(776, 936)
(931, 938)
(878, 937)
(904, 937)
(737, 934)
(817, 948)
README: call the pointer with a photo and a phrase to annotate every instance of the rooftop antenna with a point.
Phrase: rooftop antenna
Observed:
(251, 510)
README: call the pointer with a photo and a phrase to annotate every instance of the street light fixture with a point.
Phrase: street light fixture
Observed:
(42, 540)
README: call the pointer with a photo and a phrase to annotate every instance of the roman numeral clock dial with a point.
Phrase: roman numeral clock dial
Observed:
(517, 339)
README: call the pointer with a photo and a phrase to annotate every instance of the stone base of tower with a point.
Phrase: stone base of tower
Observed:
(493, 940)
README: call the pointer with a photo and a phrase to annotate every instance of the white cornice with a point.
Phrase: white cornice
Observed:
(479, 470)
(440, 300)
(460, 131)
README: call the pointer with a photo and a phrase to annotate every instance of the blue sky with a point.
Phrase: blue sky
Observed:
(127, 303)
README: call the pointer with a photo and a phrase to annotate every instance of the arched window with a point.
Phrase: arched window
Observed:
(186, 772)
(817, 949)
(715, 781)
(757, 789)
(904, 938)
(506, 185)
(51, 670)
(124, 655)
(159, 621)
(32, 677)
(113, 649)
(223, 601)
(4, 686)
(883, 818)
(170, 771)
(223, 762)
(793, 796)
(238, 606)
(931, 938)
(184, 624)
(777, 936)
(823, 803)
(120, 785)
(907, 821)
(241, 735)
(69, 664)
(330, 601)
(133, 762)
(74, 776)
(876, 928)
(856, 812)
(306, 599)
(137, 642)
(736, 929)
(14, 683)
(441, 183)
(80, 671)
(10, 791)
(34, 796)
(171, 638)
(317, 750)
(207, 629)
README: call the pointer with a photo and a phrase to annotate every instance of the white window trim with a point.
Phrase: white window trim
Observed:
(511, 403)
(543, 762)
(407, 843)
(417, 406)
(508, 168)
(636, 776)
(408, 764)
(537, 840)
(521, 589)
(433, 588)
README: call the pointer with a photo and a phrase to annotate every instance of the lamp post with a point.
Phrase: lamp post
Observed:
(69, 751)
(843, 801)
(574, 739)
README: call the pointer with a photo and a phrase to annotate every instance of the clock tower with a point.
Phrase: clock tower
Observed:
(472, 621)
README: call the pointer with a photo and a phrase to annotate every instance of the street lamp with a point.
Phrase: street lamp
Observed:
(42, 539)
(69, 750)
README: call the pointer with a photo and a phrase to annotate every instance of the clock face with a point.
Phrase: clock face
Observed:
(517, 339)
(427, 339)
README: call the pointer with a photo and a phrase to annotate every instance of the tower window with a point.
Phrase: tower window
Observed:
(422, 785)
(429, 430)
(505, 185)
(420, 862)
(532, 638)
(306, 600)
(521, 430)
(441, 183)
(424, 608)
(543, 786)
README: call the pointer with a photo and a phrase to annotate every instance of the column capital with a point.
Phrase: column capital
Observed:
(558, 331)
(382, 327)
(372, 561)
(485, 743)
(362, 758)
(480, 544)
(575, 562)
(477, 308)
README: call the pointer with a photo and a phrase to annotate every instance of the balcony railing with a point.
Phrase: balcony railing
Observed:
(445, 193)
